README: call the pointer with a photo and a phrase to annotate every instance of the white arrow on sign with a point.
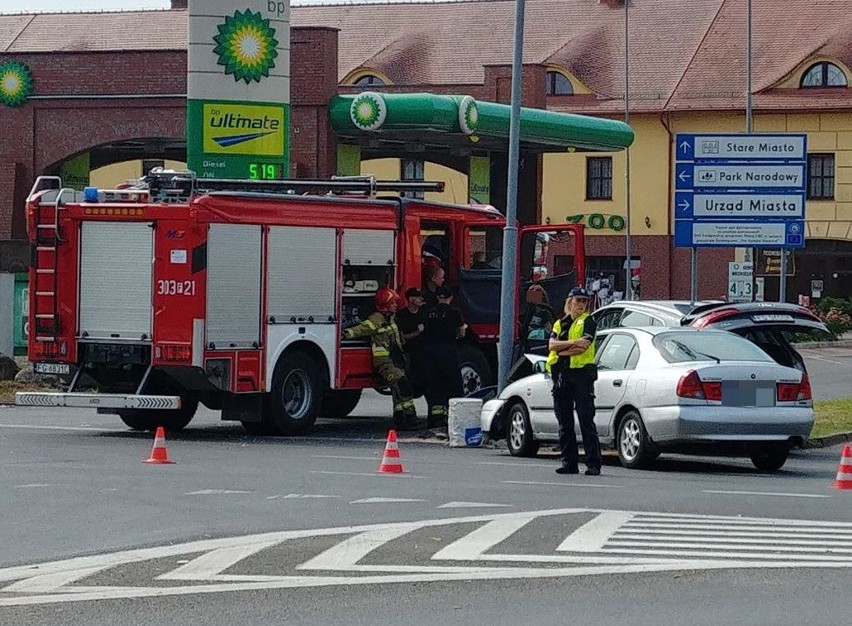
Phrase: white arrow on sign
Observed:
(684, 145)
(683, 205)
(683, 176)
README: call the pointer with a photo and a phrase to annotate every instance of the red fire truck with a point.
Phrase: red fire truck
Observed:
(173, 291)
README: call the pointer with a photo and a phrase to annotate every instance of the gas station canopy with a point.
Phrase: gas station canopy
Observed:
(462, 121)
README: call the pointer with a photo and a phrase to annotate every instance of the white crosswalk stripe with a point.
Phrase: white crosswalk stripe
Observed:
(477, 548)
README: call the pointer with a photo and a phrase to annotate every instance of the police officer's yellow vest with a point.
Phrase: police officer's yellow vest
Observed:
(575, 331)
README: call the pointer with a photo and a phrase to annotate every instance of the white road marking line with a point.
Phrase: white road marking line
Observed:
(32, 485)
(518, 464)
(209, 565)
(801, 540)
(80, 428)
(697, 522)
(716, 544)
(701, 553)
(382, 474)
(560, 484)
(214, 492)
(52, 581)
(767, 532)
(384, 500)
(819, 358)
(762, 493)
(592, 535)
(293, 496)
(347, 553)
(470, 505)
(483, 538)
(376, 457)
(84, 594)
(769, 528)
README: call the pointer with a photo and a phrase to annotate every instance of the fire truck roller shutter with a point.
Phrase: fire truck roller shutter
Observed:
(115, 280)
(233, 286)
(368, 247)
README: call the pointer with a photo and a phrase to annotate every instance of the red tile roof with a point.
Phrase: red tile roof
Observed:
(684, 54)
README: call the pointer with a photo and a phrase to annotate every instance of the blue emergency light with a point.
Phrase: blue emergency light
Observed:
(90, 194)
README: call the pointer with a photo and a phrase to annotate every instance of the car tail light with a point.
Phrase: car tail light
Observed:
(708, 319)
(690, 386)
(805, 389)
(791, 392)
(713, 391)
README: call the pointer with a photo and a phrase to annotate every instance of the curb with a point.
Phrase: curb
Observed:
(840, 343)
(827, 441)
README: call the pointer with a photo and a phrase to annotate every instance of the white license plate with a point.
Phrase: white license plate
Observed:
(52, 368)
(768, 317)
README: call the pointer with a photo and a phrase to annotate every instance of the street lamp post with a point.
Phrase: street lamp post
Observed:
(510, 231)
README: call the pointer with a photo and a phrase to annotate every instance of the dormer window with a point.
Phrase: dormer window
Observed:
(824, 74)
(558, 85)
(369, 80)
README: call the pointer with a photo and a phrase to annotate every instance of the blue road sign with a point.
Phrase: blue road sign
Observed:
(739, 147)
(740, 190)
(735, 233)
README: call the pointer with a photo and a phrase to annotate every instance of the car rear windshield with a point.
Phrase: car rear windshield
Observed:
(707, 346)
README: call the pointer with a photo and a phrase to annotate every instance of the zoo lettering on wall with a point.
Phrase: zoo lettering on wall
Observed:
(598, 221)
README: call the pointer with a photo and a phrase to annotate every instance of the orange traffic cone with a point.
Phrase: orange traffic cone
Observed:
(159, 453)
(844, 470)
(390, 461)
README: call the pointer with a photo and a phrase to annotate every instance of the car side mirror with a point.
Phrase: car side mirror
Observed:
(540, 367)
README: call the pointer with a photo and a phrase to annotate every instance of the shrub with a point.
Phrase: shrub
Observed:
(836, 320)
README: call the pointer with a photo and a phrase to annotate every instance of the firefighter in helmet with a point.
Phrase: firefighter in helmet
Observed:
(388, 356)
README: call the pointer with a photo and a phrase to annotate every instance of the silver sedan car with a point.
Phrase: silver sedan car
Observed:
(677, 389)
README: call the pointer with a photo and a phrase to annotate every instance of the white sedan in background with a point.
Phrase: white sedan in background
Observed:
(678, 389)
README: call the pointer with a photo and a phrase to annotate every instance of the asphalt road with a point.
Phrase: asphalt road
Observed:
(830, 370)
(464, 536)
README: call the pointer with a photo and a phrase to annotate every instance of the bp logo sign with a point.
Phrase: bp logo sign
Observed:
(16, 83)
(246, 46)
(368, 111)
(468, 115)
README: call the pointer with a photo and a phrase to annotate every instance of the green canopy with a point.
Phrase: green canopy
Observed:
(405, 115)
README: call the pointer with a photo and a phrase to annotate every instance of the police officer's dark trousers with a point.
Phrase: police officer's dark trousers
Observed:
(443, 382)
(575, 388)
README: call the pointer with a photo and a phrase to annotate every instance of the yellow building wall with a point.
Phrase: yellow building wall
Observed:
(564, 184)
(455, 189)
(108, 176)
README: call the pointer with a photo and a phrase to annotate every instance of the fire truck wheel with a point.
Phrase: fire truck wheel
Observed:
(340, 403)
(294, 403)
(170, 420)
(475, 371)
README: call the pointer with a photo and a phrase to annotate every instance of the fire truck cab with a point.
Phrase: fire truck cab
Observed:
(175, 291)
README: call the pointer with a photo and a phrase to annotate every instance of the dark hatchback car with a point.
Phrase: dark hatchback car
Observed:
(767, 324)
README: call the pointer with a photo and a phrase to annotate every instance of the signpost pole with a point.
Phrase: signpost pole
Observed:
(782, 289)
(693, 275)
(510, 231)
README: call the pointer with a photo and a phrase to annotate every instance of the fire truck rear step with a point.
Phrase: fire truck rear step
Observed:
(97, 400)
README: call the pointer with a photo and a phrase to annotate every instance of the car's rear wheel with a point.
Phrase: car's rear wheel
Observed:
(635, 449)
(769, 458)
(519, 431)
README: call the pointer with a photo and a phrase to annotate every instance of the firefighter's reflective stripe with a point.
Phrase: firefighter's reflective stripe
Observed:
(380, 351)
(403, 405)
(437, 411)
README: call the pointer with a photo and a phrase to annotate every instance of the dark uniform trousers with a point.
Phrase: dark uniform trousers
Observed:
(443, 382)
(576, 388)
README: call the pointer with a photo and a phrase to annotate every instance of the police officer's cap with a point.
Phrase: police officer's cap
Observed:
(578, 292)
(443, 292)
(413, 292)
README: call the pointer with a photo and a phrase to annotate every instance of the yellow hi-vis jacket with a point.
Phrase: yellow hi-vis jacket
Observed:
(383, 333)
(575, 331)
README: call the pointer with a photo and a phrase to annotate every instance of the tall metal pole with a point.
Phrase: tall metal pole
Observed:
(750, 129)
(693, 275)
(510, 231)
(628, 289)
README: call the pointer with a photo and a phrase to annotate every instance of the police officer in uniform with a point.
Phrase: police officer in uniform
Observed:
(388, 357)
(444, 327)
(571, 363)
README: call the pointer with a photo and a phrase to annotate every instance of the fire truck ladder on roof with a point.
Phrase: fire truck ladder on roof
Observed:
(173, 186)
(44, 262)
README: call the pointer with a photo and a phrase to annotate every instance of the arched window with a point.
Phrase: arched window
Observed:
(369, 80)
(558, 85)
(824, 74)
